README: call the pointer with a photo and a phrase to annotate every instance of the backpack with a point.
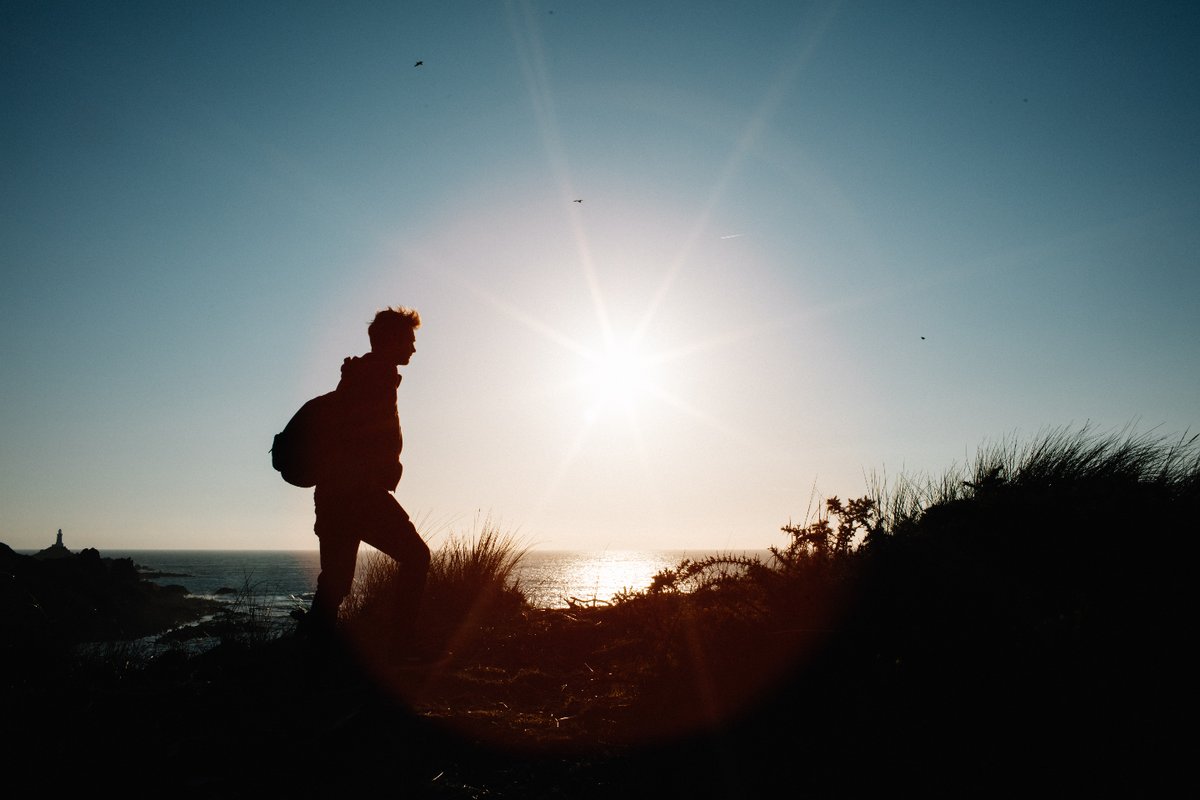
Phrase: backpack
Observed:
(304, 451)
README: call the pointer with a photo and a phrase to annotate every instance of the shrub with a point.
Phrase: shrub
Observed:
(857, 520)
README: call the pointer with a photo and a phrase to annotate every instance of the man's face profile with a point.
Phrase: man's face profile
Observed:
(401, 348)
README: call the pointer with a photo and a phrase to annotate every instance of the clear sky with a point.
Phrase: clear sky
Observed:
(825, 240)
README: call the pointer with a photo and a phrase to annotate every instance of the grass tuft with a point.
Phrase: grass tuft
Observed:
(470, 585)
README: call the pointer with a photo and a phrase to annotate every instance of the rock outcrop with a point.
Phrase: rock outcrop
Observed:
(55, 601)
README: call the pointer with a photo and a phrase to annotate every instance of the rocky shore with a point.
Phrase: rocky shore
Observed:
(57, 599)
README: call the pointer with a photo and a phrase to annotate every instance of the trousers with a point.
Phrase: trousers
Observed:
(347, 517)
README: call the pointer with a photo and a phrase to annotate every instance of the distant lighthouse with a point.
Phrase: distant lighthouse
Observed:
(56, 550)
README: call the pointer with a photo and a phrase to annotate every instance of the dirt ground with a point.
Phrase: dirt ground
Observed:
(562, 704)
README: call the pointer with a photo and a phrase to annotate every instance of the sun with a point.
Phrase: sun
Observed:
(620, 375)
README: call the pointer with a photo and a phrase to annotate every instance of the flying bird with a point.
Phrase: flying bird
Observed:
(578, 201)
(419, 63)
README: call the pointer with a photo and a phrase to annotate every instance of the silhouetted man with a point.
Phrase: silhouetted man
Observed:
(355, 503)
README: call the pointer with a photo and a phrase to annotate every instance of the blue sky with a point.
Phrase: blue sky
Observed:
(205, 203)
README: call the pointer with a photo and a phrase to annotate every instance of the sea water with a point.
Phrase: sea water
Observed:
(287, 579)
(274, 583)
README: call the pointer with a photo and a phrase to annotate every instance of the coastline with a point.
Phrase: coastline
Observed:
(549, 578)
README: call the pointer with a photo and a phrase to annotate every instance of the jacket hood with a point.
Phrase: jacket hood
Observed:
(368, 368)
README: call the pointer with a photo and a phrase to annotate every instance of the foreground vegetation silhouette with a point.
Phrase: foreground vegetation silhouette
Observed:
(1018, 624)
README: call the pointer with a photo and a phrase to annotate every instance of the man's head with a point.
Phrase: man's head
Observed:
(393, 334)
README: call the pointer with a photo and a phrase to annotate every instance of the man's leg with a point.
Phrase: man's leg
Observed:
(339, 556)
(393, 533)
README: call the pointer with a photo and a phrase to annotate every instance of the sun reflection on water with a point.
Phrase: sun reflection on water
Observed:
(554, 579)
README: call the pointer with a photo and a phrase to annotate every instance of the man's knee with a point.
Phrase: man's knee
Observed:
(417, 551)
(422, 557)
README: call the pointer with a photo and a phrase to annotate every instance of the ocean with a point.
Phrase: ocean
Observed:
(283, 580)
(275, 582)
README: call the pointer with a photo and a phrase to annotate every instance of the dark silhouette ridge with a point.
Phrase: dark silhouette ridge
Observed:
(1024, 628)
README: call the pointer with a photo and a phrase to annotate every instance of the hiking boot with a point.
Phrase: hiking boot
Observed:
(310, 626)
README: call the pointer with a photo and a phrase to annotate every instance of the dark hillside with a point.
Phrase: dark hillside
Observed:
(1022, 629)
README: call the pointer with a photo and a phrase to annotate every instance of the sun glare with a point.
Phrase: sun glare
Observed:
(619, 376)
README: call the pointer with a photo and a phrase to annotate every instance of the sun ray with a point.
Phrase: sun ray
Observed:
(620, 374)
(509, 309)
(751, 132)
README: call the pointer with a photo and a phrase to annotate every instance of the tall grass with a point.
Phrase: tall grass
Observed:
(475, 564)
(470, 584)
(1059, 462)
(1031, 535)
(248, 619)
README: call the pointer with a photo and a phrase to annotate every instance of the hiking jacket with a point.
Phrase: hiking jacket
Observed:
(370, 432)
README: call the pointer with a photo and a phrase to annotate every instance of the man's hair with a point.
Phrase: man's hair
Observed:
(391, 322)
